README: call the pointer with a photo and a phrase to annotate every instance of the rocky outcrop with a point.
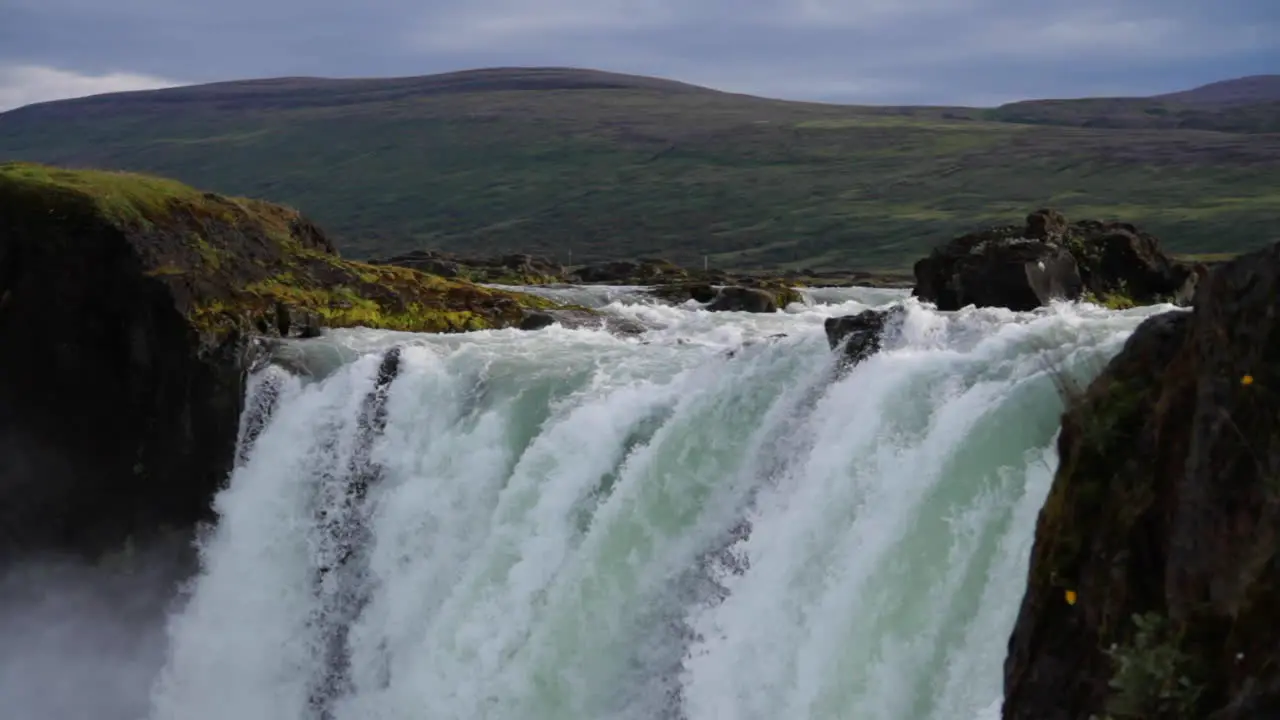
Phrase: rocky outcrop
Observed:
(1047, 258)
(644, 271)
(742, 299)
(1155, 575)
(515, 269)
(665, 280)
(861, 335)
(748, 294)
(126, 306)
(682, 292)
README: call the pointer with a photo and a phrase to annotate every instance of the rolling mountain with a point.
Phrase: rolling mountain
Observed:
(1243, 105)
(557, 161)
(1252, 90)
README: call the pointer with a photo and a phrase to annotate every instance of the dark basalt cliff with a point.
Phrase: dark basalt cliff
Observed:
(1154, 584)
(127, 306)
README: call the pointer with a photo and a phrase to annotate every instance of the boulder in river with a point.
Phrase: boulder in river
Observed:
(1047, 258)
(682, 292)
(861, 335)
(127, 308)
(743, 299)
(1155, 573)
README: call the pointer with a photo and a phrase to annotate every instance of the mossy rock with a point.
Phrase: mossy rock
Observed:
(511, 269)
(783, 294)
(127, 305)
(234, 263)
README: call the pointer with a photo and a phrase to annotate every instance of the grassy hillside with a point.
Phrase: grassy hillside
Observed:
(610, 166)
(1243, 105)
(1148, 113)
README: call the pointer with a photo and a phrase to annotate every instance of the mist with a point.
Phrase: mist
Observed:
(81, 641)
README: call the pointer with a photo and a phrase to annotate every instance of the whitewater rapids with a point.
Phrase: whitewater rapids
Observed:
(708, 521)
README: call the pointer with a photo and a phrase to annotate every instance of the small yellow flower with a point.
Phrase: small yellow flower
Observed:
(1246, 380)
(1071, 597)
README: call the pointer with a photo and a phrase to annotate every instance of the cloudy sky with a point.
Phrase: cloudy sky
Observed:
(977, 52)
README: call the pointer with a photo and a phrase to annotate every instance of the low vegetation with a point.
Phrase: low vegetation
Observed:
(582, 167)
(1153, 675)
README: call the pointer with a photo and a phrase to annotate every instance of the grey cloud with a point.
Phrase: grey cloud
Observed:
(939, 51)
(25, 84)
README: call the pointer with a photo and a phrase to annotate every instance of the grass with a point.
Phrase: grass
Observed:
(123, 197)
(650, 169)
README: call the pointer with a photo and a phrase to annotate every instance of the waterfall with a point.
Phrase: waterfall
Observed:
(711, 520)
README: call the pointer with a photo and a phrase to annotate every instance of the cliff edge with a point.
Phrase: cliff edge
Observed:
(1155, 576)
(127, 305)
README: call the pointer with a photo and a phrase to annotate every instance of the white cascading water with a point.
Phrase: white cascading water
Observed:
(708, 521)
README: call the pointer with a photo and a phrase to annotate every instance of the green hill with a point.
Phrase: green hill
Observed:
(553, 161)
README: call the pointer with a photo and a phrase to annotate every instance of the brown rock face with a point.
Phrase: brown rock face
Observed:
(1164, 520)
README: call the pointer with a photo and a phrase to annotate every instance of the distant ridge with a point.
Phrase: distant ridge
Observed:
(1239, 91)
(314, 91)
(307, 91)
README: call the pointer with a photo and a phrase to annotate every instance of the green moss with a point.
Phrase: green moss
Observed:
(165, 270)
(1118, 301)
(1113, 301)
(787, 295)
(383, 297)
(210, 255)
